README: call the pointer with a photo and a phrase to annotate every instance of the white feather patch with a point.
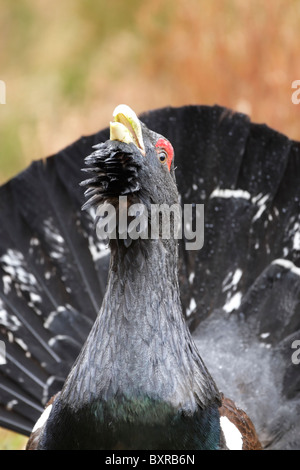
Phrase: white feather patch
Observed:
(233, 437)
(42, 419)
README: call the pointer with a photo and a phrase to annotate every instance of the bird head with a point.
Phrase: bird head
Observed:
(135, 162)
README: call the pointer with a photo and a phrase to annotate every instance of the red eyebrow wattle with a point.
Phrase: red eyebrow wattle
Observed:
(167, 146)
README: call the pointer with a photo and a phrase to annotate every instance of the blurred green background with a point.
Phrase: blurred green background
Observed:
(67, 64)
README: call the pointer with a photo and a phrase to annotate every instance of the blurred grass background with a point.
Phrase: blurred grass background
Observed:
(67, 64)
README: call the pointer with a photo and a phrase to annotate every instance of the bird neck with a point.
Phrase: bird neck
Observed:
(139, 382)
(140, 336)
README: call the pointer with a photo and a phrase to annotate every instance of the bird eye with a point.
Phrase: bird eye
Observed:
(162, 155)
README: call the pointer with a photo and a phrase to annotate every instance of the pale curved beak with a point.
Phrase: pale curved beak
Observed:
(126, 127)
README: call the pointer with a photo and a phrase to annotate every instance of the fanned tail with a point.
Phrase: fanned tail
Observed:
(240, 293)
(52, 276)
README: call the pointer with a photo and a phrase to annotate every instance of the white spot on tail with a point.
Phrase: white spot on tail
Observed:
(265, 335)
(261, 201)
(191, 308)
(230, 193)
(296, 241)
(11, 404)
(287, 265)
(232, 280)
(233, 302)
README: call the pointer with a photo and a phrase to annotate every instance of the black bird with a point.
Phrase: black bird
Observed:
(139, 381)
(239, 293)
